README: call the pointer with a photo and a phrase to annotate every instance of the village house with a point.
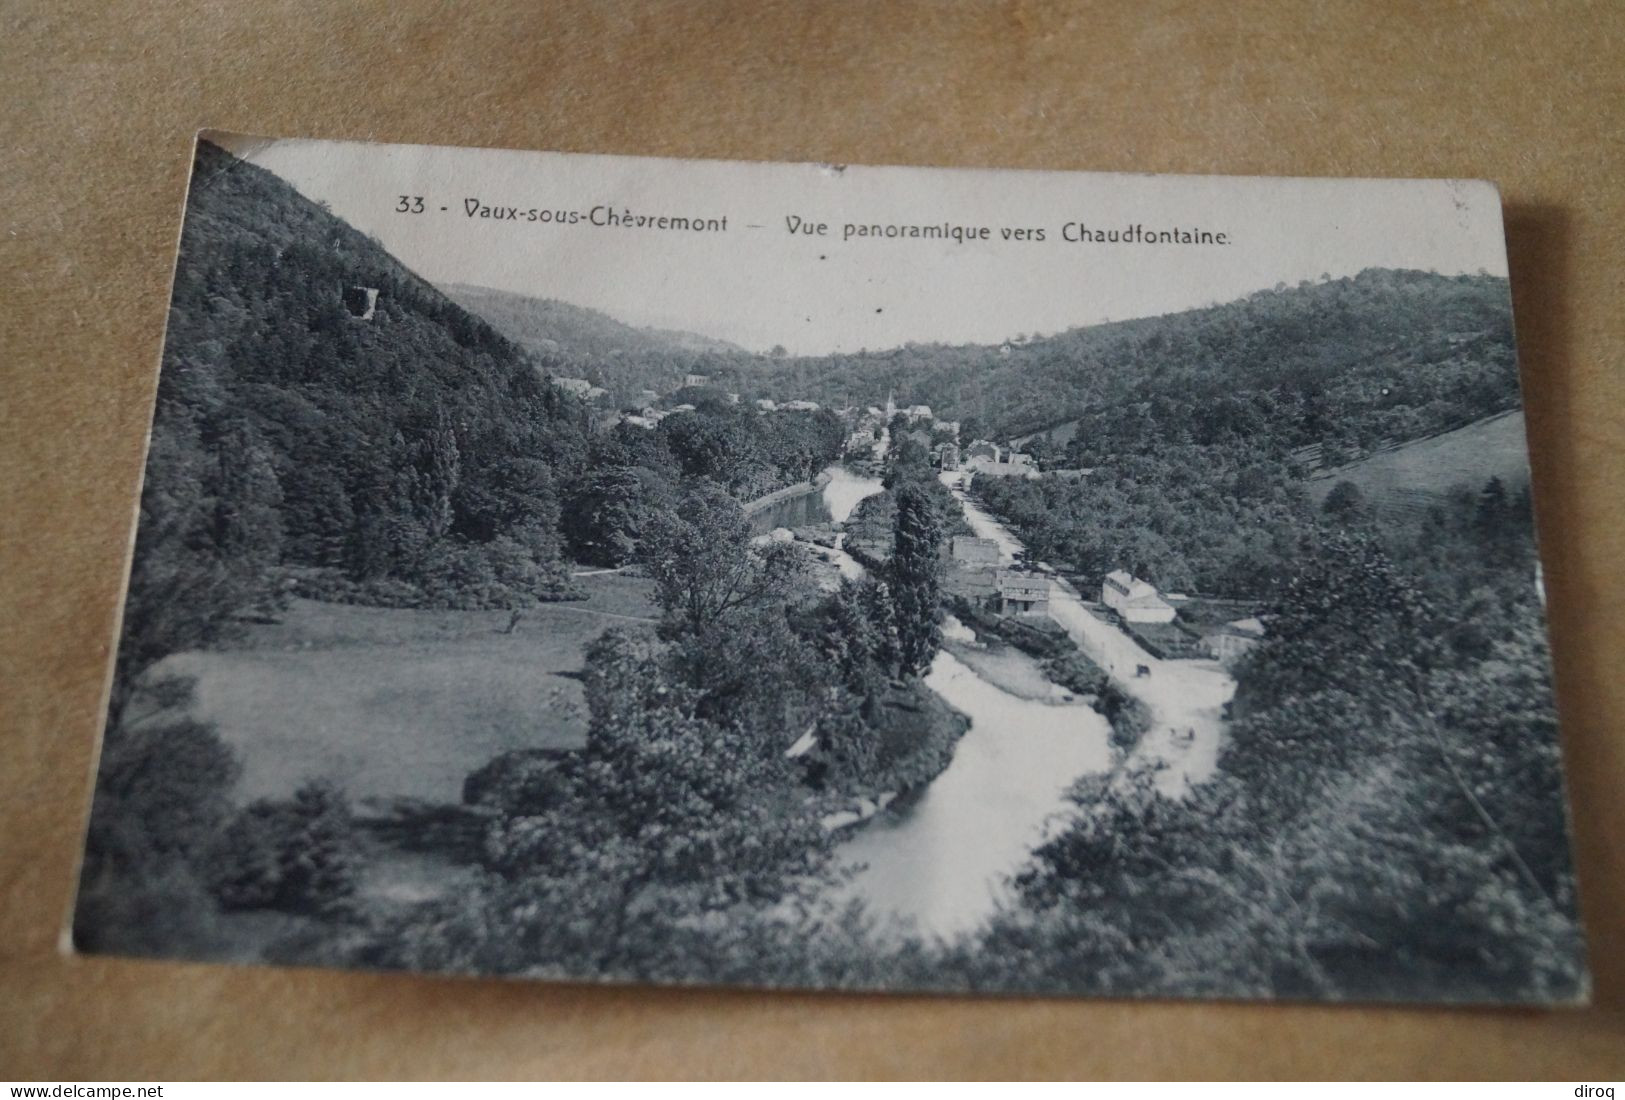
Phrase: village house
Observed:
(577, 386)
(801, 406)
(1135, 600)
(973, 551)
(982, 448)
(1015, 464)
(863, 445)
(948, 456)
(918, 412)
(1022, 593)
(766, 404)
(1234, 640)
(696, 379)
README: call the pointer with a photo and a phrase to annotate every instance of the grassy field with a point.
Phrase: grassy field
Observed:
(390, 703)
(1059, 436)
(1470, 456)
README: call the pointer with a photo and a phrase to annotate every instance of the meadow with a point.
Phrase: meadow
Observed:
(389, 702)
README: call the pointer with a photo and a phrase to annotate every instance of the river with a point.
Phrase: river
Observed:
(832, 503)
(942, 863)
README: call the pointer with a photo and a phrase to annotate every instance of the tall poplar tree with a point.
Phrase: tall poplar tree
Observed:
(915, 584)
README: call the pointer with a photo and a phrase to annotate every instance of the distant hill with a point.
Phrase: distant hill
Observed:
(576, 333)
(1407, 477)
(1380, 355)
(1342, 364)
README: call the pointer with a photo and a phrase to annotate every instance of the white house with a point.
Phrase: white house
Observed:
(800, 406)
(1135, 600)
(1014, 464)
(696, 379)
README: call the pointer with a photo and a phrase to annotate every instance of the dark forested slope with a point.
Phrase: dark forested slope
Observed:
(415, 450)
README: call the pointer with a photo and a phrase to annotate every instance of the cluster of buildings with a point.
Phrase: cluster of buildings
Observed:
(983, 456)
(581, 388)
(1138, 602)
(976, 572)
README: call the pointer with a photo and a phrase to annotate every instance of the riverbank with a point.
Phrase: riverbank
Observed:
(918, 732)
(762, 503)
(1009, 670)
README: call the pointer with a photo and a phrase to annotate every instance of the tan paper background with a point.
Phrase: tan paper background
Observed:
(98, 105)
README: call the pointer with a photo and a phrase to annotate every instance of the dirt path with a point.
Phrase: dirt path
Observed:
(597, 614)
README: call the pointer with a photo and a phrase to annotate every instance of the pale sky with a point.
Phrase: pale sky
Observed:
(758, 287)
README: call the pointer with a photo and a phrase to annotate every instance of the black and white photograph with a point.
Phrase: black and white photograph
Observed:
(601, 568)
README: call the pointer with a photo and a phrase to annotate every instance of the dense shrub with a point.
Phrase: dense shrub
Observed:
(300, 855)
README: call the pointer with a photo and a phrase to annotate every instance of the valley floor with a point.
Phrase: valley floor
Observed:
(391, 703)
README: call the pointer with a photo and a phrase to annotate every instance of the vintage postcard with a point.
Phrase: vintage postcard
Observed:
(608, 568)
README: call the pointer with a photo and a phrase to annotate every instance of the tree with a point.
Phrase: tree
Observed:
(436, 470)
(1492, 506)
(1344, 503)
(300, 855)
(703, 564)
(607, 510)
(915, 579)
(664, 816)
(847, 637)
